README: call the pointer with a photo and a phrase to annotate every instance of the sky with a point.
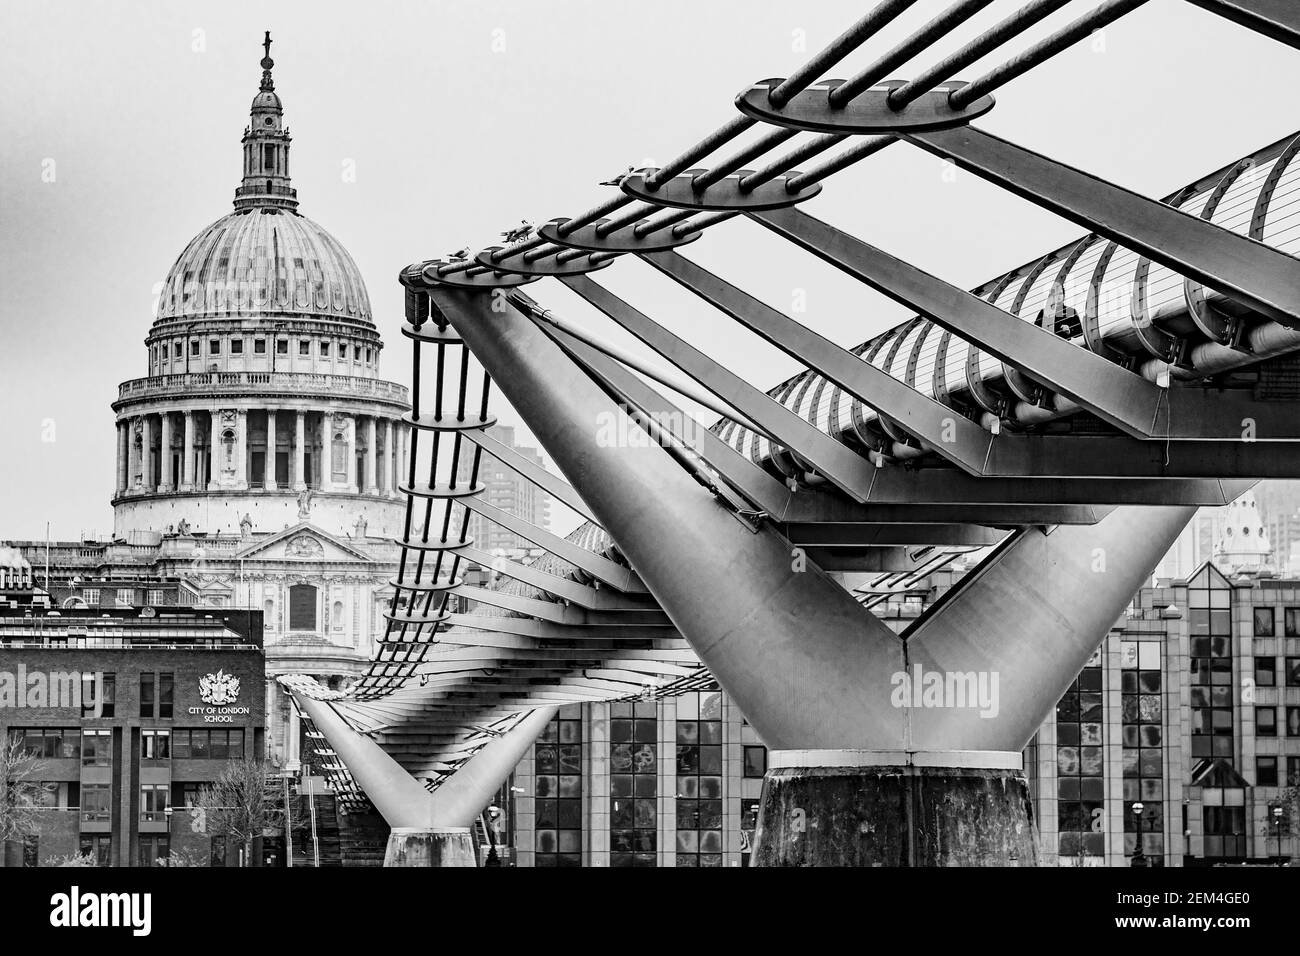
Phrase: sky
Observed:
(426, 126)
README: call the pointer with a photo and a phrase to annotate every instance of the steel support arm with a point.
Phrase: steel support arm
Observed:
(784, 639)
(399, 797)
(1114, 394)
(460, 799)
(553, 485)
(1264, 278)
(848, 471)
(955, 437)
(611, 572)
(1278, 19)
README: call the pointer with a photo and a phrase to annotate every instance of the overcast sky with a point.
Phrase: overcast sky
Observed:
(461, 118)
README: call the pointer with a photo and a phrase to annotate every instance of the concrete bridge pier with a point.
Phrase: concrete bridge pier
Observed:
(888, 750)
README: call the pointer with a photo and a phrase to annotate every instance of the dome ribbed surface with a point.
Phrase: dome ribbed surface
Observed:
(257, 261)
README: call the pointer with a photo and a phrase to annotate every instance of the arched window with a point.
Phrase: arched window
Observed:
(302, 607)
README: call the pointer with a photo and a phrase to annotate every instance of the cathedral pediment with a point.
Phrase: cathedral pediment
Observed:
(302, 542)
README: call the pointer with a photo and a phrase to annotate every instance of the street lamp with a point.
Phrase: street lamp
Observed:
(1277, 825)
(167, 813)
(1139, 859)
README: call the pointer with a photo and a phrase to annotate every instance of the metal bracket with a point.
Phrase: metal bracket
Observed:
(868, 112)
(518, 264)
(680, 192)
(621, 240)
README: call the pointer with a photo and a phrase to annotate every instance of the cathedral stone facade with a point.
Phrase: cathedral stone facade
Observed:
(258, 460)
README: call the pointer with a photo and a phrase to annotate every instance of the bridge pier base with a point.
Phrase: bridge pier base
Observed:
(440, 846)
(863, 808)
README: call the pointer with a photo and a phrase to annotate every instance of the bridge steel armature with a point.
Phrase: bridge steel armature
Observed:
(1066, 418)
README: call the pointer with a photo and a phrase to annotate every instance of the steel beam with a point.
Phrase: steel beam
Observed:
(1261, 277)
(887, 535)
(953, 436)
(562, 587)
(850, 472)
(611, 572)
(1114, 394)
(1278, 19)
(553, 485)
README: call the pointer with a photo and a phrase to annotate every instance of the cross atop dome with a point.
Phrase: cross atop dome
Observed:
(267, 63)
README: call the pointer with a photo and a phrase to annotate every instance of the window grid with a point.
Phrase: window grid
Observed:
(557, 760)
(699, 779)
(634, 783)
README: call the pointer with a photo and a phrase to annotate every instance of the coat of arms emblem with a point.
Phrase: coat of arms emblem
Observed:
(219, 688)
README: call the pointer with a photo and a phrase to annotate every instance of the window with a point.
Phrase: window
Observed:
(154, 850)
(302, 607)
(1291, 621)
(748, 824)
(699, 779)
(259, 346)
(148, 695)
(1079, 768)
(236, 346)
(154, 802)
(126, 596)
(634, 783)
(166, 695)
(1266, 771)
(96, 803)
(1141, 752)
(1210, 627)
(96, 748)
(155, 596)
(194, 346)
(57, 794)
(155, 744)
(189, 793)
(1266, 721)
(1265, 672)
(214, 347)
(208, 744)
(177, 350)
(324, 350)
(1293, 721)
(1292, 771)
(368, 355)
(99, 846)
(218, 855)
(282, 346)
(31, 850)
(99, 695)
(755, 761)
(1293, 672)
(50, 742)
(1263, 622)
(91, 597)
(304, 347)
(557, 761)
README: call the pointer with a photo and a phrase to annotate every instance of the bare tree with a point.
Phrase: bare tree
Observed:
(20, 794)
(243, 802)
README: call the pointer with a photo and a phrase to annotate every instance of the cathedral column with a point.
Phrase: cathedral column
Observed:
(132, 455)
(390, 460)
(214, 448)
(241, 448)
(350, 436)
(187, 461)
(371, 478)
(168, 480)
(300, 451)
(268, 471)
(122, 452)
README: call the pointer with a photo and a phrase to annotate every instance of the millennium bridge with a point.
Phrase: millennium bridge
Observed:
(1067, 417)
